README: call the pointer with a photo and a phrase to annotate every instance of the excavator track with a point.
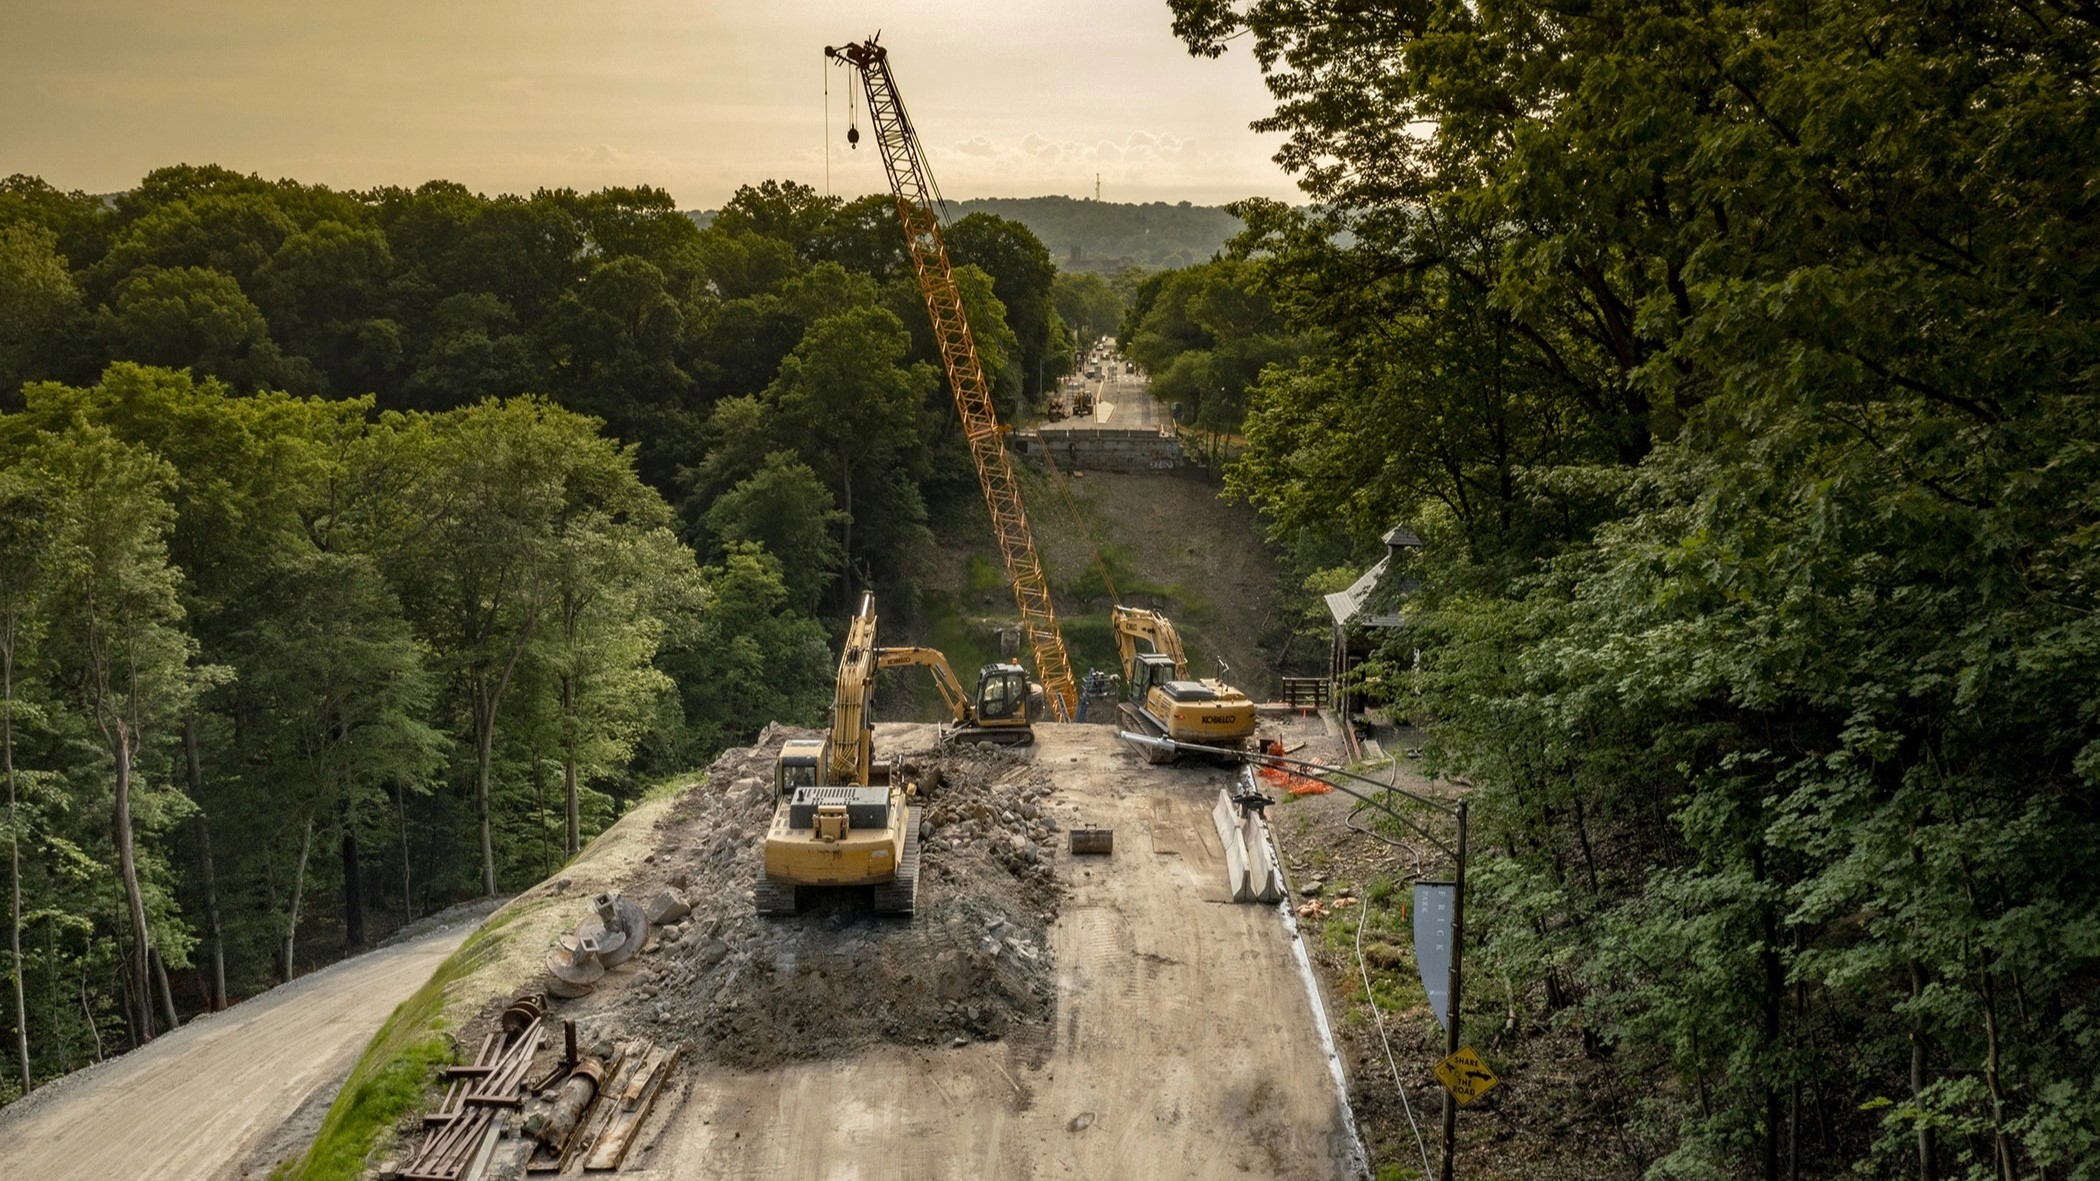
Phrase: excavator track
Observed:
(993, 735)
(901, 895)
(775, 898)
(1138, 721)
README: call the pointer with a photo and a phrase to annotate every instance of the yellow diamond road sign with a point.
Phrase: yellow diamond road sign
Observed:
(1465, 1076)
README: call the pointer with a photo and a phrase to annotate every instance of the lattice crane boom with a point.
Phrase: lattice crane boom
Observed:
(917, 208)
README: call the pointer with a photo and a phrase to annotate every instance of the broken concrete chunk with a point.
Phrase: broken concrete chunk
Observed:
(668, 906)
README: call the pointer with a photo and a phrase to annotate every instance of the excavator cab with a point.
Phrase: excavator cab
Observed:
(1002, 693)
(1147, 670)
(798, 766)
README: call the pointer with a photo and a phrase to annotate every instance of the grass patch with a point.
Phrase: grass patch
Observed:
(981, 574)
(392, 1077)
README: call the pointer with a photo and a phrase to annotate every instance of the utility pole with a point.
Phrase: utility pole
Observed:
(1458, 953)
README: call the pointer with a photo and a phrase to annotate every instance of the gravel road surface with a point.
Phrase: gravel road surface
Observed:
(198, 1102)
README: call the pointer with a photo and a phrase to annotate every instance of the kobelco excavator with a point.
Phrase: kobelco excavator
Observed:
(840, 816)
(1161, 700)
(1007, 702)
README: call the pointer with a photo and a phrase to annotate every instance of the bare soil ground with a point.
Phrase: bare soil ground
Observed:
(1181, 1042)
(205, 1100)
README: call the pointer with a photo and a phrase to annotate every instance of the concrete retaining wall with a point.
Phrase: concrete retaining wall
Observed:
(1100, 449)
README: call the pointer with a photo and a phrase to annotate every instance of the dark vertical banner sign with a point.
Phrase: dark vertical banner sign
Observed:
(1433, 921)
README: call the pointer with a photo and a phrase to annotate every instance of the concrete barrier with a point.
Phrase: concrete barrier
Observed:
(1227, 818)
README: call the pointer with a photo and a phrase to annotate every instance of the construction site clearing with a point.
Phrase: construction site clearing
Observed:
(1077, 993)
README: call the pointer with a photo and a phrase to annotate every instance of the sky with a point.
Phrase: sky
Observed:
(1012, 98)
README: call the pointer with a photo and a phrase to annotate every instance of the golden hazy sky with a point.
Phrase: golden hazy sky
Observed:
(1011, 97)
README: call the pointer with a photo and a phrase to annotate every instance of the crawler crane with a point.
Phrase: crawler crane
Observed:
(911, 183)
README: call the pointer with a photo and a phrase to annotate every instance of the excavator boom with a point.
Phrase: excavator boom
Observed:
(1136, 623)
(935, 662)
(852, 724)
(911, 183)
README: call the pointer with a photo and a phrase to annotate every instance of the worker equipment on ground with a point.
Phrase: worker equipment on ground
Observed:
(1161, 700)
(1088, 839)
(1097, 687)
(1006, 701)
(918, 200)
(618, 925)
(840, 818)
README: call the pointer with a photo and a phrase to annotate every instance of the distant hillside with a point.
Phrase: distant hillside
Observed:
(1104, 236)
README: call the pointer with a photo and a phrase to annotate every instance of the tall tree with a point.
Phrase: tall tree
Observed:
(847, 398)
(496, 488)
(118, 633)
(25, 555)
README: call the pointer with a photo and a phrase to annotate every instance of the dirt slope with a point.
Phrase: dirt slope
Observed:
(193, 1104)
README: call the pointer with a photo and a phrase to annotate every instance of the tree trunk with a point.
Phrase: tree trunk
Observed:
(128, 870)
(291, 922)
(214, 934)
(167, 995)
(14, 846)
(574, 840)
(484, 750)
(2001, 1147)
(408, 900)
(1928, 1146)
(88, 1010)
(353, 885)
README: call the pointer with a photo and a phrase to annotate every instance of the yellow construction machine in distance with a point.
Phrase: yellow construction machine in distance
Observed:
(840, 816)
(1006, 705)
(1161, 700)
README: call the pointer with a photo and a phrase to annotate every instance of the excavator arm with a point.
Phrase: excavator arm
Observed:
(933, 661)
(852, 712)
(1136, 623)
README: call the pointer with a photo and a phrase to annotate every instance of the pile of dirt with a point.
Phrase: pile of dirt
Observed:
(729, 986)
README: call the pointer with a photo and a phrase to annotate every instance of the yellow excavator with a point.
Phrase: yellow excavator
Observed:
(840, 816)
(1006, 706)
(1159, 697)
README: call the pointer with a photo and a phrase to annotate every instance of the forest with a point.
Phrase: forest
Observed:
(365, 552)
(1739, 367)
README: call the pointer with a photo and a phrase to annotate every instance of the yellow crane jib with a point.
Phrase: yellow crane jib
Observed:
(918, 204)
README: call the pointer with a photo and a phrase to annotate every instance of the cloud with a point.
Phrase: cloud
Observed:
(977, 146)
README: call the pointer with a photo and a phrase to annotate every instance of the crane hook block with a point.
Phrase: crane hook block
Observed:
(853, 137)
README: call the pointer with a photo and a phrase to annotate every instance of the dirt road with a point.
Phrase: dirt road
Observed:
(196, 1103)
(1184, 1044)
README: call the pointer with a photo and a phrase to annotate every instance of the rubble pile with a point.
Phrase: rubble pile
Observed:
(729, 986)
